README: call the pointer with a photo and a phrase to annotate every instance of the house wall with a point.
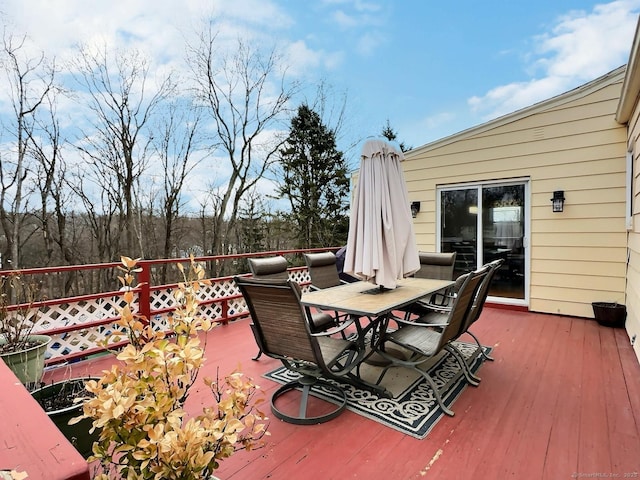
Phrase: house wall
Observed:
(570, 143)
(633, 272)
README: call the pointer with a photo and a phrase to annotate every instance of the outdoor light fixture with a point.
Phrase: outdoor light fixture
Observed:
(558, 201)
(415, 208)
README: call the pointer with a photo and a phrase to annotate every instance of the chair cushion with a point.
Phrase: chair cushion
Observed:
(433, 258)
(268, 266)
(320, 259)
(333, 348)
(421, 339)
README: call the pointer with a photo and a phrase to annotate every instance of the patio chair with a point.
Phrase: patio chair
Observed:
(478, 304)
(436, 265)
(269, 267)
(424, 342)
(433, 265)
(476, 307)
(281, 329)
(322, 269)
(275, 268)
(324, 274)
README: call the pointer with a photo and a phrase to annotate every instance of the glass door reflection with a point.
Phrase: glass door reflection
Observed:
(483, 223)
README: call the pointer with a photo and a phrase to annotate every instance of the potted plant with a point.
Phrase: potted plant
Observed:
(62, 401)
(139, 402)
(21, 349)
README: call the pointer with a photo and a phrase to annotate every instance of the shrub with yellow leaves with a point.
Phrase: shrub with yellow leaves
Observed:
(138, 404)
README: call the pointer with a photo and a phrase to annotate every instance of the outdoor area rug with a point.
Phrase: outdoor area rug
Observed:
(413, 409)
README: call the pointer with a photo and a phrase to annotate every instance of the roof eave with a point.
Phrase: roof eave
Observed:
(631, 85)
(570, 95)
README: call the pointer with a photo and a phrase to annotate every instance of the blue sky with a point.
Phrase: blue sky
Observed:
(431, 67)
(434, 68)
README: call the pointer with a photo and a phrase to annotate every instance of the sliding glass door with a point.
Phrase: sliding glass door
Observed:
(485, 222)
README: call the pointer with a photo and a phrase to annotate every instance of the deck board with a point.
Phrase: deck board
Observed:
(562, 397)
(593, 409)
(562, 449)
(518, 387)
(538, 406)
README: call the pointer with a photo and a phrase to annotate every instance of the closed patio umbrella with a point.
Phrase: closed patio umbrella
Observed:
(381, 247)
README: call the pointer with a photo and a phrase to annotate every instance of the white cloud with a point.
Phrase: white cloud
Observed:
(358, 5)
(344, 20)
(303, 59)
(369, 42)
(158, 27)
(579, 47)
(160, 30)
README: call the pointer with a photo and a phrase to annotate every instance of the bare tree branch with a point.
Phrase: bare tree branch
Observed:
(246, 97)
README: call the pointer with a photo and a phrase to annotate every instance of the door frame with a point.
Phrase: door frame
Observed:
(526, 181)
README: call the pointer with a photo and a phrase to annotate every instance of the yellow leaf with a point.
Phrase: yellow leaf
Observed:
(15, 475)
(128, 296)
(128, 262)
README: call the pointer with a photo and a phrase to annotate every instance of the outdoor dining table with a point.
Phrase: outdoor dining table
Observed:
(364, 300)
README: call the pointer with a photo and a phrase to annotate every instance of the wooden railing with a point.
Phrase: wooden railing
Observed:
(82, 325)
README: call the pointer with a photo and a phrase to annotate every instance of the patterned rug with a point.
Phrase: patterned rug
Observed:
(413, 409)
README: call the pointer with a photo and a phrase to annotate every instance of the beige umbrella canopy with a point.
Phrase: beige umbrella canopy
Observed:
(381, 247)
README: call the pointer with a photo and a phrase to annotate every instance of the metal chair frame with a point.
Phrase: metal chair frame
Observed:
(275, 268)
(423, 342)
(281, 329)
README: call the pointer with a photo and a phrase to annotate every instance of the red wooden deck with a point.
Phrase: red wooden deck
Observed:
(561, 400)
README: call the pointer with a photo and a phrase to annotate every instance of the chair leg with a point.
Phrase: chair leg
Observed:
(383, 373)
(472, 379)
(482, 352)
(256, 336)
(305, 386)
(412, 364)
(436, 392)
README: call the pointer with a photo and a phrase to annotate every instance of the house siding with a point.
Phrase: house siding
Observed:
(570, 143)
(633, 269)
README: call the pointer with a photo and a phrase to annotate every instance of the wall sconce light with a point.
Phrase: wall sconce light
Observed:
(558, 201)
(415, 208)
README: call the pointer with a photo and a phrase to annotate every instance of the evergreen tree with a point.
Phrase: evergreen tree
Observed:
(390, 134)
(314, 181)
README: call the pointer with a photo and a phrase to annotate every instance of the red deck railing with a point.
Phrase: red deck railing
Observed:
(81, 323)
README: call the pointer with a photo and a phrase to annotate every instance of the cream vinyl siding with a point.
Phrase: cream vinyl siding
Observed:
(633, 269)
(572, 143)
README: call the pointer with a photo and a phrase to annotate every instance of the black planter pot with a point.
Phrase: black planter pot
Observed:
(609, 314)
(78, 434)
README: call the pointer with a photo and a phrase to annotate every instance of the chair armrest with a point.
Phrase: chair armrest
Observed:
(424, 321)
(442, 298)
(405, 321)
(435, 307)
(333, 330)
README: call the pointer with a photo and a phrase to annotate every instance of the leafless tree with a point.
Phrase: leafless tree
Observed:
(246, 95)
(101, 210)
(177, 146)
(46, 149)
(121, 104)
(30, 80)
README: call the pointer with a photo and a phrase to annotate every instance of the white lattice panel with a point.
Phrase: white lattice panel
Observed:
(300, 276)
(78, 314)
(81, 312)
(82, 340)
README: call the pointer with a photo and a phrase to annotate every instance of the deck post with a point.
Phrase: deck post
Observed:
(144, 299)
(225, 312)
